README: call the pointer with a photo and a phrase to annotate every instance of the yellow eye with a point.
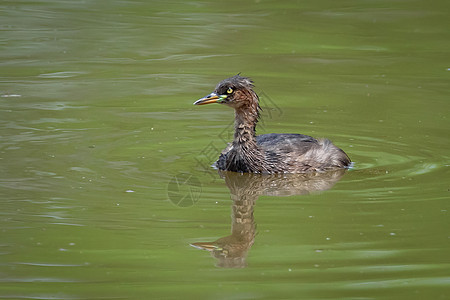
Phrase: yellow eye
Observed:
(230, 90)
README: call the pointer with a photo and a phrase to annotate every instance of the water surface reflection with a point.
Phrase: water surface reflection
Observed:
(231, 251)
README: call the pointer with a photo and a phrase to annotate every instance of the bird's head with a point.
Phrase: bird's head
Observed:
(236, 92)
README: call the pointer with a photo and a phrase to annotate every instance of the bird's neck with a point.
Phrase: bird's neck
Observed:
(244, 129)
(245, 123)
(245, 154)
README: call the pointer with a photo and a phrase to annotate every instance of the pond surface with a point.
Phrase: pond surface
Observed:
(106, 179)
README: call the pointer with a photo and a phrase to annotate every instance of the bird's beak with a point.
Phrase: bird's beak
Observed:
(209, 246)
(211, 98)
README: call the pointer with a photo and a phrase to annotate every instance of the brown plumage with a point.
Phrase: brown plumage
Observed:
(267, 153)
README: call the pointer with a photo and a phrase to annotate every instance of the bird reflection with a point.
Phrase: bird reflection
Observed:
(245, 188)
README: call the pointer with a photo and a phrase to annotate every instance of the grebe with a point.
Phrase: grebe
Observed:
(267, 153)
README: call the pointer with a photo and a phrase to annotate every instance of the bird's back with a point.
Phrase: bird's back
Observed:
(286, 142)
(292, 153)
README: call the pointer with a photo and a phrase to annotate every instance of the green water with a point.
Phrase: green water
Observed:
(105, 163)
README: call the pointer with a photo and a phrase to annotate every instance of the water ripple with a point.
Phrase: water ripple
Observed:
(65, 74)
(51, 264)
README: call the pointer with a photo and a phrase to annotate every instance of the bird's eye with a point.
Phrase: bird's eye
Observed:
(230, 90)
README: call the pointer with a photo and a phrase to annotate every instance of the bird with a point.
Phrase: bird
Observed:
(267, 153)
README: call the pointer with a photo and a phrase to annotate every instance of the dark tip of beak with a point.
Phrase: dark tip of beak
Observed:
(211, 98)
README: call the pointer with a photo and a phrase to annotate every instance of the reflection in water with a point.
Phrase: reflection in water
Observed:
(231, 251)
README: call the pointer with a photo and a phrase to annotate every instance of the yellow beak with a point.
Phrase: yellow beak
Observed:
(211, 98)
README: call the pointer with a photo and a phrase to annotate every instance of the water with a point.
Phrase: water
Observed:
(105, 163)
